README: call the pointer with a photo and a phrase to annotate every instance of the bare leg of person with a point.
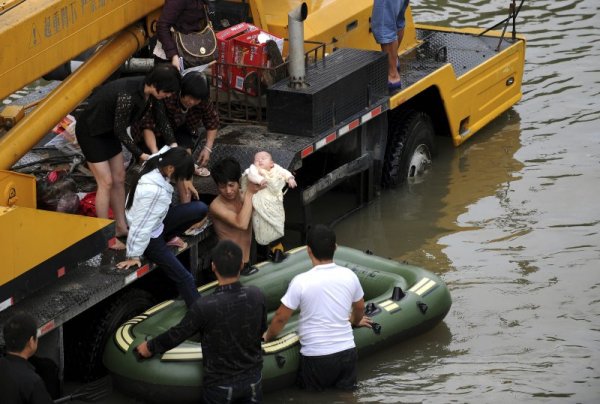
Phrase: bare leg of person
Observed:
(104, 179)
(117, 193)
(400, 36)
(391, 49)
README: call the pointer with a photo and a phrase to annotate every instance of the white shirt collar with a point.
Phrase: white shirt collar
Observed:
(325, 266)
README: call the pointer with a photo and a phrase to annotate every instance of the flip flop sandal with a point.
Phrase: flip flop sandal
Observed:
(201, 171)
(394, 86)
(197, 228)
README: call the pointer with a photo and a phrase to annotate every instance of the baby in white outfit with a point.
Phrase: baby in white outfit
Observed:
(268, 216)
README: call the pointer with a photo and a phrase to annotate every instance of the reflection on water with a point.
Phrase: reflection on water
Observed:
(512, 223)
(406, 223)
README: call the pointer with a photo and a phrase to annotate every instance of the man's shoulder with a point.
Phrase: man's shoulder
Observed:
(341, 268)
(217, 209)
(303, 275)
(248, 293)
(221, 205)
(16, 365)
(253, 290)
(216, 203)
(336, 272)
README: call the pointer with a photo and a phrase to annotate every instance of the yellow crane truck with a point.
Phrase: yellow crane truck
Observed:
(340, 131)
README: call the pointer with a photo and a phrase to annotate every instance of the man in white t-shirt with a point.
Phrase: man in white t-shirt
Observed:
(330, 300)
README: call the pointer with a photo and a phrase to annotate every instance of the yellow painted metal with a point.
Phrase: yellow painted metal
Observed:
(68, 94)
(37, 36)
(480, 95)
(16, 189)
(8, 4)
(10, 115)
(476, 97)
(30, 237)
(258, 13)
(339, 24)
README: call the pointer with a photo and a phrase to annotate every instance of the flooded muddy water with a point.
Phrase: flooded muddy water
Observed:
(511, 221)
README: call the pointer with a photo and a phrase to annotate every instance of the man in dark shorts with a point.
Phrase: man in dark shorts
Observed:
(324, 295)
(19, 383)
(231, 322)
(387, 24)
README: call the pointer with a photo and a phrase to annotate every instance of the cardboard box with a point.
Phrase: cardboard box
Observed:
(66, 128)
(225, 51)
(250, 50)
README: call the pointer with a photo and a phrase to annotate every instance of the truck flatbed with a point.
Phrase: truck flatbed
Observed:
(464, 51)
(91, 282)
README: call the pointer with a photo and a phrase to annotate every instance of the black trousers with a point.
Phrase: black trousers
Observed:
(337, 370)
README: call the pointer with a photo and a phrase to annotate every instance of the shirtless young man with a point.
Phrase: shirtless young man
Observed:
(230, 211)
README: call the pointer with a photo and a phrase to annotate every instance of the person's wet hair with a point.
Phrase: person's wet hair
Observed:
(227, 257)
(195, 84)
(178, 157)
(164, 77)
(321, 240)
(226, 170)
(18, 330)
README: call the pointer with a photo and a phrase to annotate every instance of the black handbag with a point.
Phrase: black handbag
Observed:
(197, 48)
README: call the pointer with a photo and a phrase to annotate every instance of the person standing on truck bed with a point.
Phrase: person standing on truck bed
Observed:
(231, 322)
(102, 128)
(186, 111)
(230, 211)
(153, 221)
(387, 24)
(324, 295)
(19, 383)
(185, 16)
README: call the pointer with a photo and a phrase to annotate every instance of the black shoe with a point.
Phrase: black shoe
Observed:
(248, 270)
(277, 256)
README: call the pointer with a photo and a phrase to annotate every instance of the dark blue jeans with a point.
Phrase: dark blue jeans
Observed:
(178, 219)
(248, 390)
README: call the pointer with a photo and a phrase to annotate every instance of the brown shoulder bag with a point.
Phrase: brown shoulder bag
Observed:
(197, 48)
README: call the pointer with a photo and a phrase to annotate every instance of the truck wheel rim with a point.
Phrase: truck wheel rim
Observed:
(419, 162)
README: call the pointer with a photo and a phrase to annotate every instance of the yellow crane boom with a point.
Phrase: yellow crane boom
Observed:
(37, 36)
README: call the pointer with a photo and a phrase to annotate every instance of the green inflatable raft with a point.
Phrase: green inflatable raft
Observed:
(403, 300)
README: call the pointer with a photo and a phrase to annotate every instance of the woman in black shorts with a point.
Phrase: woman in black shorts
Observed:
(103, 126)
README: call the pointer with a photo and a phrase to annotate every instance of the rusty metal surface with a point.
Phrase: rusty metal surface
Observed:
(243, 141)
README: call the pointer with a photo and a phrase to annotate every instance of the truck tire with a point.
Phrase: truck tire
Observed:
(409, 149)
(93, 329)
